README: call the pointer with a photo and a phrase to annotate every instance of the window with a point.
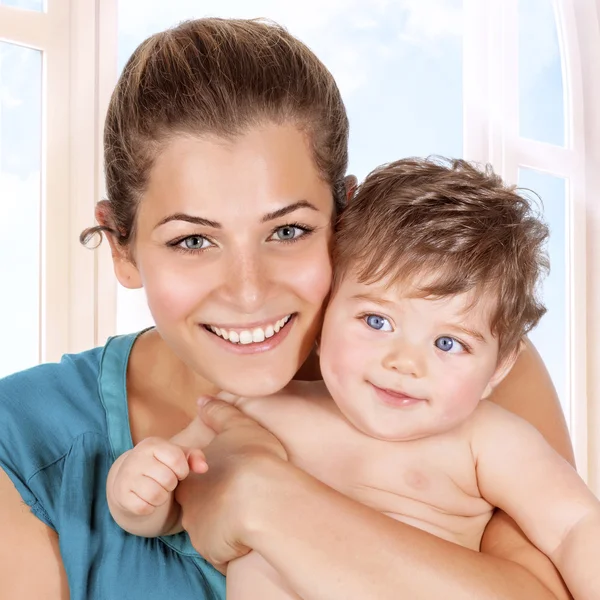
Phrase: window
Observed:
(20, 181)
(32, 232)
(509, 82)
(51, 95)
(526, 118)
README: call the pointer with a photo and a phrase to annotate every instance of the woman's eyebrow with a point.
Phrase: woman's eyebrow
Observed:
(188, 219)
(280, 212)
(286, 210)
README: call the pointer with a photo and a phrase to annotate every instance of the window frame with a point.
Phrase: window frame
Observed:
(45, 31)
(491, 134)
(79, 67)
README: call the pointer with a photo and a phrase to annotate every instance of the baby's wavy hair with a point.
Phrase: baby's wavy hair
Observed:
(446, 227)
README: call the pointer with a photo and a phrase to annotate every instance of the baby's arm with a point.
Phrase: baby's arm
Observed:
(520, 473)
(141, 481)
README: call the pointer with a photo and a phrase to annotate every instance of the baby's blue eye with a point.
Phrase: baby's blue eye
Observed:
(449, 344)
(377, 322)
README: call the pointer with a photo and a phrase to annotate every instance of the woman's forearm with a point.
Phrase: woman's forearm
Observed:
(327, 546)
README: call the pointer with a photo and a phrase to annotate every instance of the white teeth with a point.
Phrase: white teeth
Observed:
(245, 337)
(258, 335)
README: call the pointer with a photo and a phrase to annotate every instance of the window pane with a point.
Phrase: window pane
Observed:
(550, 336)
(541, 102)
(37, 5)
(398, 65)
(20, 166)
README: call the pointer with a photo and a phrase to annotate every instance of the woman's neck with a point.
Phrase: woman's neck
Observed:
(161, 389)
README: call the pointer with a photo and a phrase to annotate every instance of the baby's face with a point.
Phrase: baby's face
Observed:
(401, 367)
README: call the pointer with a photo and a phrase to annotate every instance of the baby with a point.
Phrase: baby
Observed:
(437, 267)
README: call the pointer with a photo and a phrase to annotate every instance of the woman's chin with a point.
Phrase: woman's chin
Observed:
(251, 385)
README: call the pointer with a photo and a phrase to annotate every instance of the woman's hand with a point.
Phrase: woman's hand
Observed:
(217, 506)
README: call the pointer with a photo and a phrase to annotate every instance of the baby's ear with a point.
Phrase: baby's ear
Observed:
(503, 369)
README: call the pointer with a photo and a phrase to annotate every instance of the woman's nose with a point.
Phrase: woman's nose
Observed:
(246, 282)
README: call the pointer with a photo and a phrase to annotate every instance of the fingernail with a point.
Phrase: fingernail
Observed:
(202, 401)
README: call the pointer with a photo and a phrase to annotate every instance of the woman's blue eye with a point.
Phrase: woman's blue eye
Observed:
(194, 242)
(377, 322)
(287, 233)
(449, 344)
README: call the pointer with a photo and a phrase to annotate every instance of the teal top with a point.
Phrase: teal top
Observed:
(61, 427)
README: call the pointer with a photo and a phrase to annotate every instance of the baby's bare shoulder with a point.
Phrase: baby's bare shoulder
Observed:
(492, 426)
(294, 406)
(489, 415)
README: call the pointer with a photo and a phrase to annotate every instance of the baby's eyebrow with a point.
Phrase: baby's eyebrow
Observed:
(470, 332)
(373, 298)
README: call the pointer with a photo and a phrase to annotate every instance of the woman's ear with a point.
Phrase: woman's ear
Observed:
(503, 369)
(350, 183)
(125, 269)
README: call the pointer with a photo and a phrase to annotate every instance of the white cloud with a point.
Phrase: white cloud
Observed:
(431, 20)
(347, 34)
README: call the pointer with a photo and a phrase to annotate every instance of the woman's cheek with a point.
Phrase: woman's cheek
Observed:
(176, 293)
(314, 274)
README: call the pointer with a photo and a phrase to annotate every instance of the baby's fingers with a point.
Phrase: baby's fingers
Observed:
(132, 503)
(149, 490)
(154, 470)
(174, 457)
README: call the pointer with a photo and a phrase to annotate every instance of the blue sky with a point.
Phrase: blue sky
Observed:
(399, 67)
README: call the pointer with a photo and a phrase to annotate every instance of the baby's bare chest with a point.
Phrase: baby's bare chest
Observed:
(429, 483)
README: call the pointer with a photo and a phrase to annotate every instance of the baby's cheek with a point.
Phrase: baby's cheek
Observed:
(462, 396)
(340, 361)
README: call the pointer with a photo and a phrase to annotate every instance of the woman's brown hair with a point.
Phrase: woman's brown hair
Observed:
(215, 77)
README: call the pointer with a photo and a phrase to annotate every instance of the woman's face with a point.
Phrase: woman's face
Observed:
(232, 247)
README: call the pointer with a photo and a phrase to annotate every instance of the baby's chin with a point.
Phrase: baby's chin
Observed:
(385, 430)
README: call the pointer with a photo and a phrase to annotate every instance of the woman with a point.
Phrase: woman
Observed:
(225, 153)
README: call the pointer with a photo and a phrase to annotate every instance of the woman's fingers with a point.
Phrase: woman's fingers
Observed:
(220, 415)
(230, 398)
(218, 505)
(196, 460)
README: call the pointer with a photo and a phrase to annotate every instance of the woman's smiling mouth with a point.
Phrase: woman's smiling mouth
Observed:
(250, 335)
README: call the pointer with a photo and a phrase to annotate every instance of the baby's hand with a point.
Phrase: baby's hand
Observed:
(150, 472)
